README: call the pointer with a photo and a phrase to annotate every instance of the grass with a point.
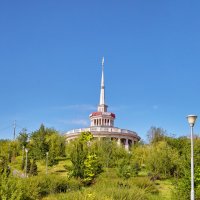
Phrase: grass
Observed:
(58, 169)
(165, 187)
(108, 186)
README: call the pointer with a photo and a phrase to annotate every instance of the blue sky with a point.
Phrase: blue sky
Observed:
(50, 63)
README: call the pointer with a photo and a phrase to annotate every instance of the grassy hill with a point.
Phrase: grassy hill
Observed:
(107, 186)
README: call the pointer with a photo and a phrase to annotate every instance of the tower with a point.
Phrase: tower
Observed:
(102, 106)
(102, 123)
(102, 117)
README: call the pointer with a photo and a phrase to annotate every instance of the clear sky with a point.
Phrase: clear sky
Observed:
(50, 63)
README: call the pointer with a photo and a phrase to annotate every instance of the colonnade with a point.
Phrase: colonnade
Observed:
(126, 142)
(102, 122)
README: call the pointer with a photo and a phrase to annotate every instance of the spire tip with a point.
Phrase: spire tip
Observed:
(103, 61)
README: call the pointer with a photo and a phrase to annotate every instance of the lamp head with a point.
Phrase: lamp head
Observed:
(191, 119)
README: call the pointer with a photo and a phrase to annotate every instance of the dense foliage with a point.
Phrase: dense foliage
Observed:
(86, 163)
(46, 140)
(101, 165)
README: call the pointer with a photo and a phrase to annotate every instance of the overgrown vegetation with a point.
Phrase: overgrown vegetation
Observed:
(40, 165)
(86, 163)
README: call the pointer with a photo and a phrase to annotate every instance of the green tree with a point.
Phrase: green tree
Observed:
(33, 168)
(56, 144)
(140, 154)
(47, 140)
(86, 164)
(156, 134)
(163, 160)
(128, 167)
(39, 146)
(79, 152)
(108, 151)
(23, 138)
(92, 167)
(183, 184)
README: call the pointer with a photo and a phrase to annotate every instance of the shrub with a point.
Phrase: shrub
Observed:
(85, 164)
(51, 184)
(9, 188)
(127, 169)
(92, 168)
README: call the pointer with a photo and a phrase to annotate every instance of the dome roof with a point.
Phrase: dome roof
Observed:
(103, 114)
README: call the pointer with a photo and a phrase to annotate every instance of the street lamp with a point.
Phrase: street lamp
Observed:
(47, 153)
(191, 120)
(26, 150)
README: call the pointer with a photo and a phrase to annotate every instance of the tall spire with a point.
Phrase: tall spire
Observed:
(102, 107)
(102, 93)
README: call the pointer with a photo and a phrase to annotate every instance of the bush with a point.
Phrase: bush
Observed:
(36, 187)
(127, 169)
(74, 184)
(86, 165)
(50, 184)
(92, 168)
(9, 188)
(29, 188)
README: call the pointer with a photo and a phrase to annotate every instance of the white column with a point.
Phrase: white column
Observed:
(126, 145)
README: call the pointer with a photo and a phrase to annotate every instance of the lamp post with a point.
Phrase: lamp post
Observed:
(47, 153)
(191, 120)
(26, 150)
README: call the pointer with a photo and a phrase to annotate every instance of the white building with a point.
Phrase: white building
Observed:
(102, 124)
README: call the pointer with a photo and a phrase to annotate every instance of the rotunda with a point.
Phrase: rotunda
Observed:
(102, 124)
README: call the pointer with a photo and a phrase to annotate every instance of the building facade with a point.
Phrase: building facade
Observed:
(102, 124)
